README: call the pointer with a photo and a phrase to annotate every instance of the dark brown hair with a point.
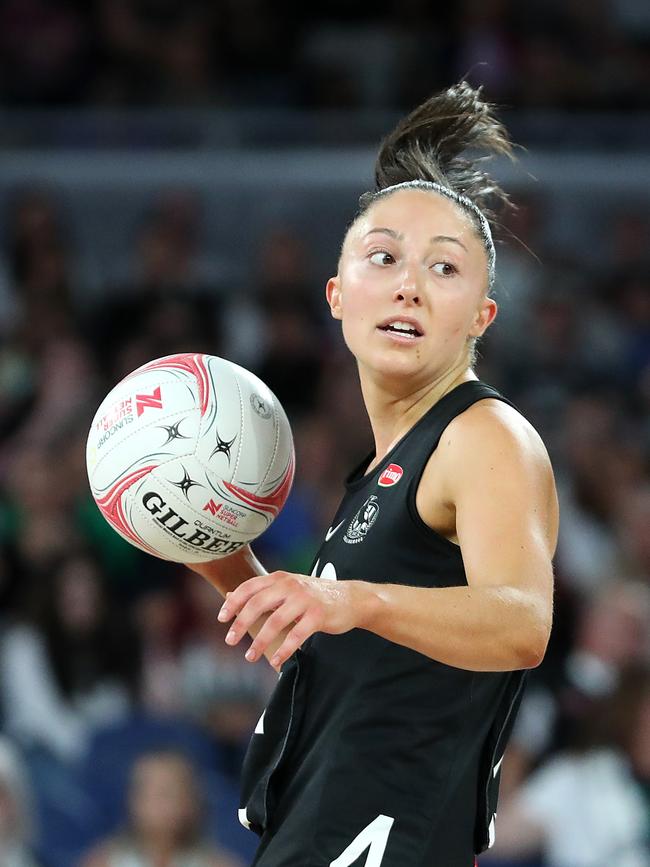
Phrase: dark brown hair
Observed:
(447, 140)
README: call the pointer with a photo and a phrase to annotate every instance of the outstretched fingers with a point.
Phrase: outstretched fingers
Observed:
(257, 597)
(293, 611)
(282, 610)
(236, 600)
(304, 629)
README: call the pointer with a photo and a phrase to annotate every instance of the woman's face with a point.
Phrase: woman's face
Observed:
(9, 818)
(163, 798)
(414, 259)
(79, 597)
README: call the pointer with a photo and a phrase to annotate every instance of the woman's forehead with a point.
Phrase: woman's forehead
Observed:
(416, 213)
(163, 765)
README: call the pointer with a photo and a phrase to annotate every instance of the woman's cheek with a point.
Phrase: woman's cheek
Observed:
(355, 330)
(347, 329)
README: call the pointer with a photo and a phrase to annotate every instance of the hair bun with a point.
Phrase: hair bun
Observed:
(431, 144)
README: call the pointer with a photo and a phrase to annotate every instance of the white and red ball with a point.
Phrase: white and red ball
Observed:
(190, 457)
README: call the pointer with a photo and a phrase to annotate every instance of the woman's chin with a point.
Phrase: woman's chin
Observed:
(393, 369)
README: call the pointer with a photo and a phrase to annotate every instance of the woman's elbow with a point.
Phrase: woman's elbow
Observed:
(532, 645)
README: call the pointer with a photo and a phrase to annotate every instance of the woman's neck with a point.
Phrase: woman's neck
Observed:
(393, 414)
(159, 851)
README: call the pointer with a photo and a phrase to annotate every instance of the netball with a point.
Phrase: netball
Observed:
(190, 457)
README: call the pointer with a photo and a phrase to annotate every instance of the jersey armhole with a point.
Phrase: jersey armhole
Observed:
(429, 534)
(425, 530)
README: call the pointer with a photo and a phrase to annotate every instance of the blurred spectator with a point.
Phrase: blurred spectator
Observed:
(277, 329)
(520, 270)
(632, 524)
(281, 277)
(611, 636)
(38, 509)
(168, 304)
(71, 664)
(46, 51)
(603, 464)
(40, 261)
(291, 365)
(165, 819)
(10, 581)
(626, 238)
(221, 691)
(588, 806)
(156, 52)
(16, 811)
(126, 52)
(486, 45)
(158, 613)
(58, 400)
(90, 637)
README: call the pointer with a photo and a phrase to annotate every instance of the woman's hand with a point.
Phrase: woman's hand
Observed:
(300, 604)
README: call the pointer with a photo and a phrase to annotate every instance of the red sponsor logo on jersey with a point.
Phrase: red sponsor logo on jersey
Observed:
(391, 476)
(153, 400)
(212, 507)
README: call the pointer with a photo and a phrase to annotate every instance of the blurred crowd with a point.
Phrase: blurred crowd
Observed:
(123, 714)
(116, 687)
(333, 54)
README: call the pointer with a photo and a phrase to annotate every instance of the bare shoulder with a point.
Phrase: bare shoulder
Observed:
(490, 462)
(491, 429)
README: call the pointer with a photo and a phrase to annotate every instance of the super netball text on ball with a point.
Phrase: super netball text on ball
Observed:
(115, 419)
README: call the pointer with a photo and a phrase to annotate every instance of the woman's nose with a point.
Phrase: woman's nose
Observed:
(408, 290)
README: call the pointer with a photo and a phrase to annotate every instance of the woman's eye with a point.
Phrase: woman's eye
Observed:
(445, 269)
(381, 257)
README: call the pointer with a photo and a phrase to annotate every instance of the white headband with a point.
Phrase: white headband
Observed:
(464, 202)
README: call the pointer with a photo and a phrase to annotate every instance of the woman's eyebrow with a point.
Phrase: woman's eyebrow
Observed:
(398, 236)
(391, 232)
(437, 238)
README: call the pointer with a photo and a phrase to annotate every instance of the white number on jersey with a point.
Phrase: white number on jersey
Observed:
(374, 837)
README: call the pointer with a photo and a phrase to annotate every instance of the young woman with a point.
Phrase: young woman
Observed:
(164, 827)
(16, 809)
(403, 654)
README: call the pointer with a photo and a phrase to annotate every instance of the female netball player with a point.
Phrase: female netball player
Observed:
(403, 654)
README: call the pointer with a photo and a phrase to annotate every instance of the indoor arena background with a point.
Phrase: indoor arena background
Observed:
(177, 176)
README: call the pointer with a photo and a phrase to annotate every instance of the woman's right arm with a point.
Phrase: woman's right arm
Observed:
(227, 573)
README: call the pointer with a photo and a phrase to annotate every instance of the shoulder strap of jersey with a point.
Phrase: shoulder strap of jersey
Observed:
(453, 403)
(424, 436)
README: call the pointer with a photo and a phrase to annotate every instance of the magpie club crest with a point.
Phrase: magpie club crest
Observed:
(362, 522)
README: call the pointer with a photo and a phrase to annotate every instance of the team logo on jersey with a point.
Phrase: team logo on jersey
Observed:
(391, 476)
(362, 521)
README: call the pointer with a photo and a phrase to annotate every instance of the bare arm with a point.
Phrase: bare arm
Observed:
(227, 574)
(496, 477)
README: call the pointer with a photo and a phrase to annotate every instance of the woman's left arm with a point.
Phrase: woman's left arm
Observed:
(497, 478)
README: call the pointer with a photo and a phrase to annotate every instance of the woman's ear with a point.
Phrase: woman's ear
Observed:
(485, 316)
(334, 296)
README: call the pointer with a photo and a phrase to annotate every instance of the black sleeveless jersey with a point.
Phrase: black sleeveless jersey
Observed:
(370, 753)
